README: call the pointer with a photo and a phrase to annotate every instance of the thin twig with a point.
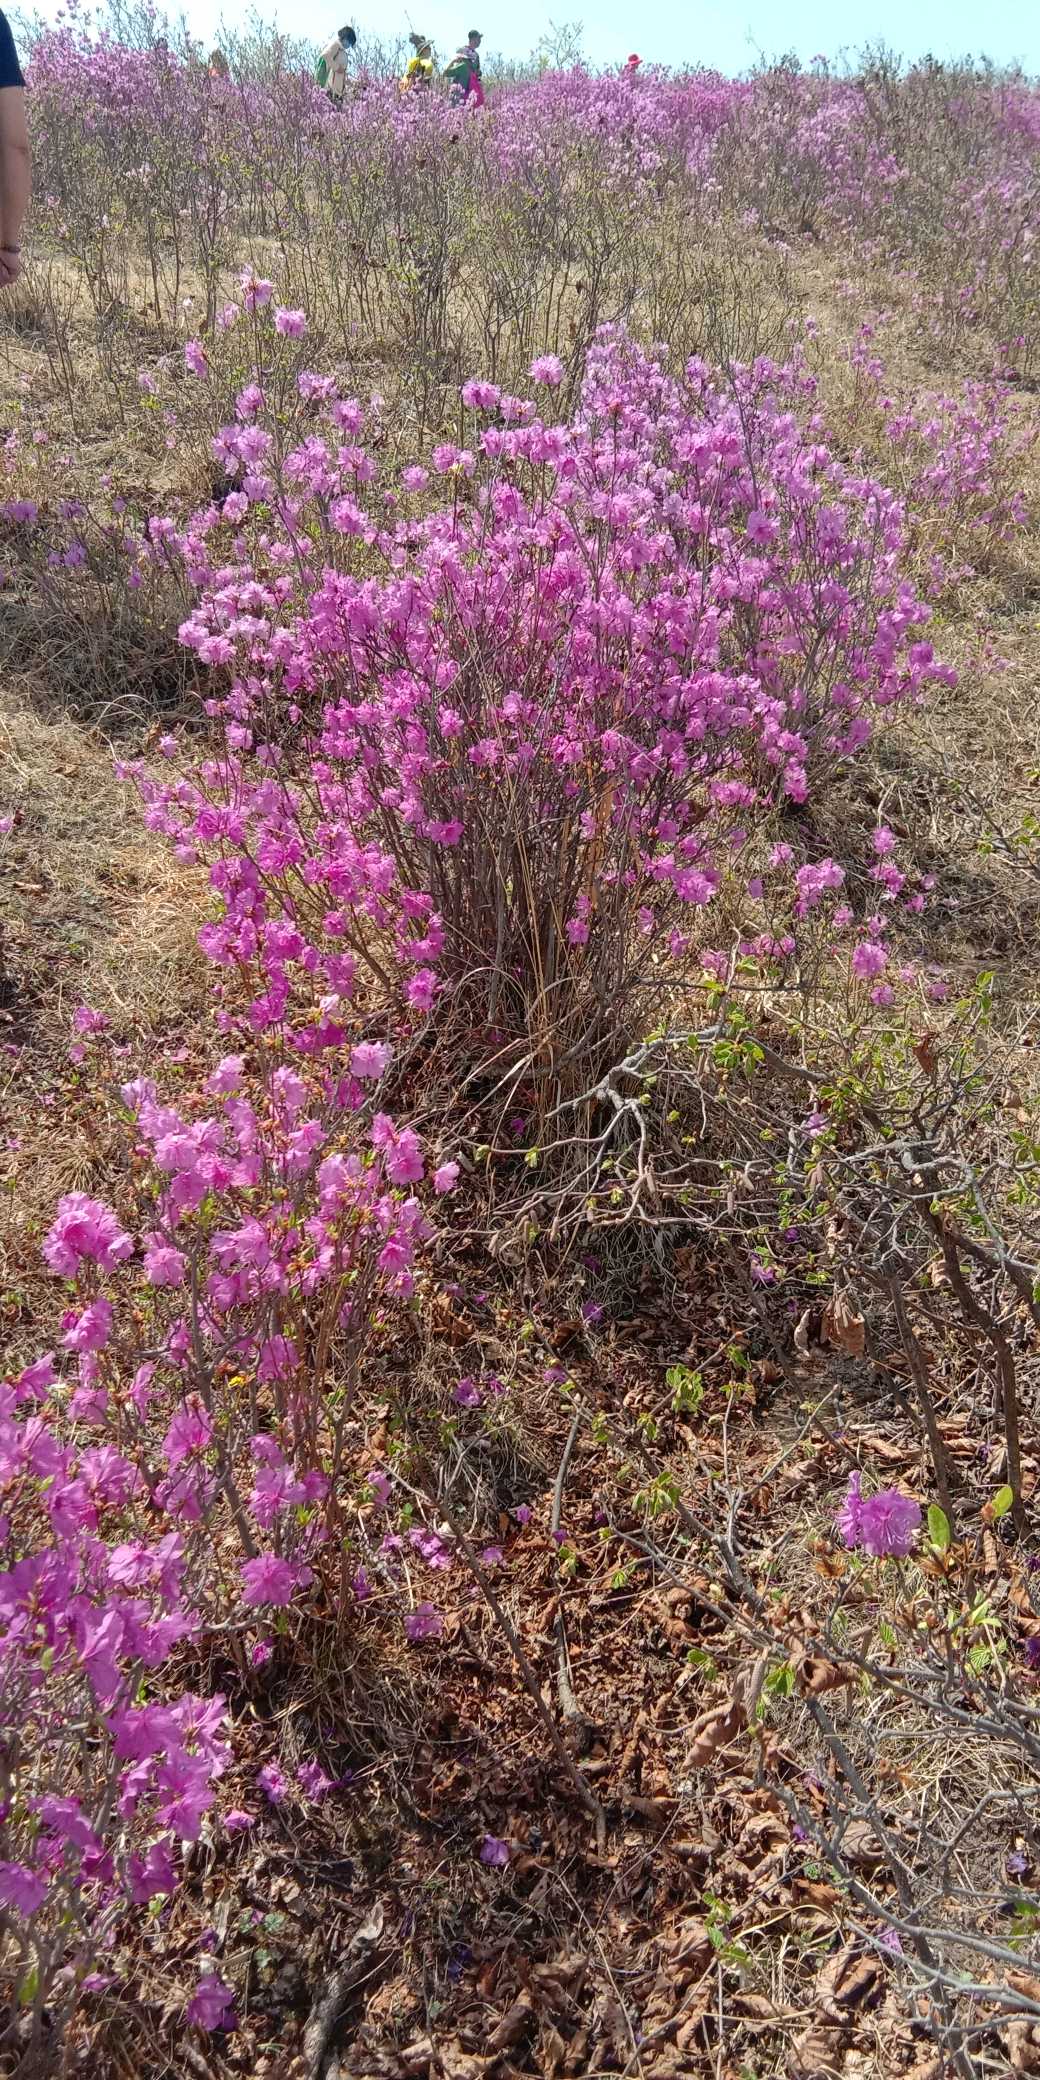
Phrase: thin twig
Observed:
(569, 1705)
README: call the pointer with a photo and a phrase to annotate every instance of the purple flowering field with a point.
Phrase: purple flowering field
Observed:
(519, 1149)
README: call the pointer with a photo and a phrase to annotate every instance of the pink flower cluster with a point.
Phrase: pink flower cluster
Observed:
(187, 1414)
(642, 631)
(885, 1525)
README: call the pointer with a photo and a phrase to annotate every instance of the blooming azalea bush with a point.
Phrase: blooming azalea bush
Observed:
(959, 460)
(499, 730)
(561, 184)
(185, 1465)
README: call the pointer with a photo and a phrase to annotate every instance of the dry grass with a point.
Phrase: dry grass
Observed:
(92, 910)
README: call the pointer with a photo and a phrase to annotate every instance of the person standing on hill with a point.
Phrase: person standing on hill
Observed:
(332, 65)
(15, 164)
(419, 70)
(464, 71)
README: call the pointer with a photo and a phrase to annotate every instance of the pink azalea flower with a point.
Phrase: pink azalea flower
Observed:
(314, 1782)
(37, 1377)
(423, 1623)
(21, 1888)
(495, 1852)
(90, 1330)
(479, 396)
(849, 1517)
(404, 1163)
(212, 2004)
(163, 1265)
(152, 1876)
(421, 990)
(190, 1431)
(760, 528)
(889, 1523)
(884, 1524)
(868, 959)
(370, 1059)
(85, 1231)
(255, 291)
(86, 1020)
(269, 1579)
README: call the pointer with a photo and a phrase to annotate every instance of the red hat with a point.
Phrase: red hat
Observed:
(633, 60)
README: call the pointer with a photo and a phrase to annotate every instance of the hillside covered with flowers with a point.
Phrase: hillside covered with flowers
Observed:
(519, 1228)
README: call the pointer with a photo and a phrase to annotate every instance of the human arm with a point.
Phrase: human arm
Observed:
(15, 164)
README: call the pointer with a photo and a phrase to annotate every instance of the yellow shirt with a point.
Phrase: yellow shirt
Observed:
(419, 73)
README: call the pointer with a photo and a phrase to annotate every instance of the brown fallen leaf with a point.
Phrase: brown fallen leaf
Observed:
(512, 2024)
(924, 1052)
(456, 2063)
(565, 1332)
(755, 2009)
(555, 1984)
(883, 1448)
(612, 2019)
(1023, 2045)
(553, 2050)
(860, 1847)
(815, 1674)
(446, 1322)
(330, 2004)
(843, 1327)
(715, 1730)
(632, 1744)
(696, 1852)
(418, 2056)
(848, 1983)
(689, 1945)
(577, 2059)
(691, 2026)
(486, 1978)
(818, 2054)
(846, 1986)
(814, 1891)
(658, 1811)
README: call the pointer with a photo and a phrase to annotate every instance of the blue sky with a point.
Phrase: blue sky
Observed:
(730, 34)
